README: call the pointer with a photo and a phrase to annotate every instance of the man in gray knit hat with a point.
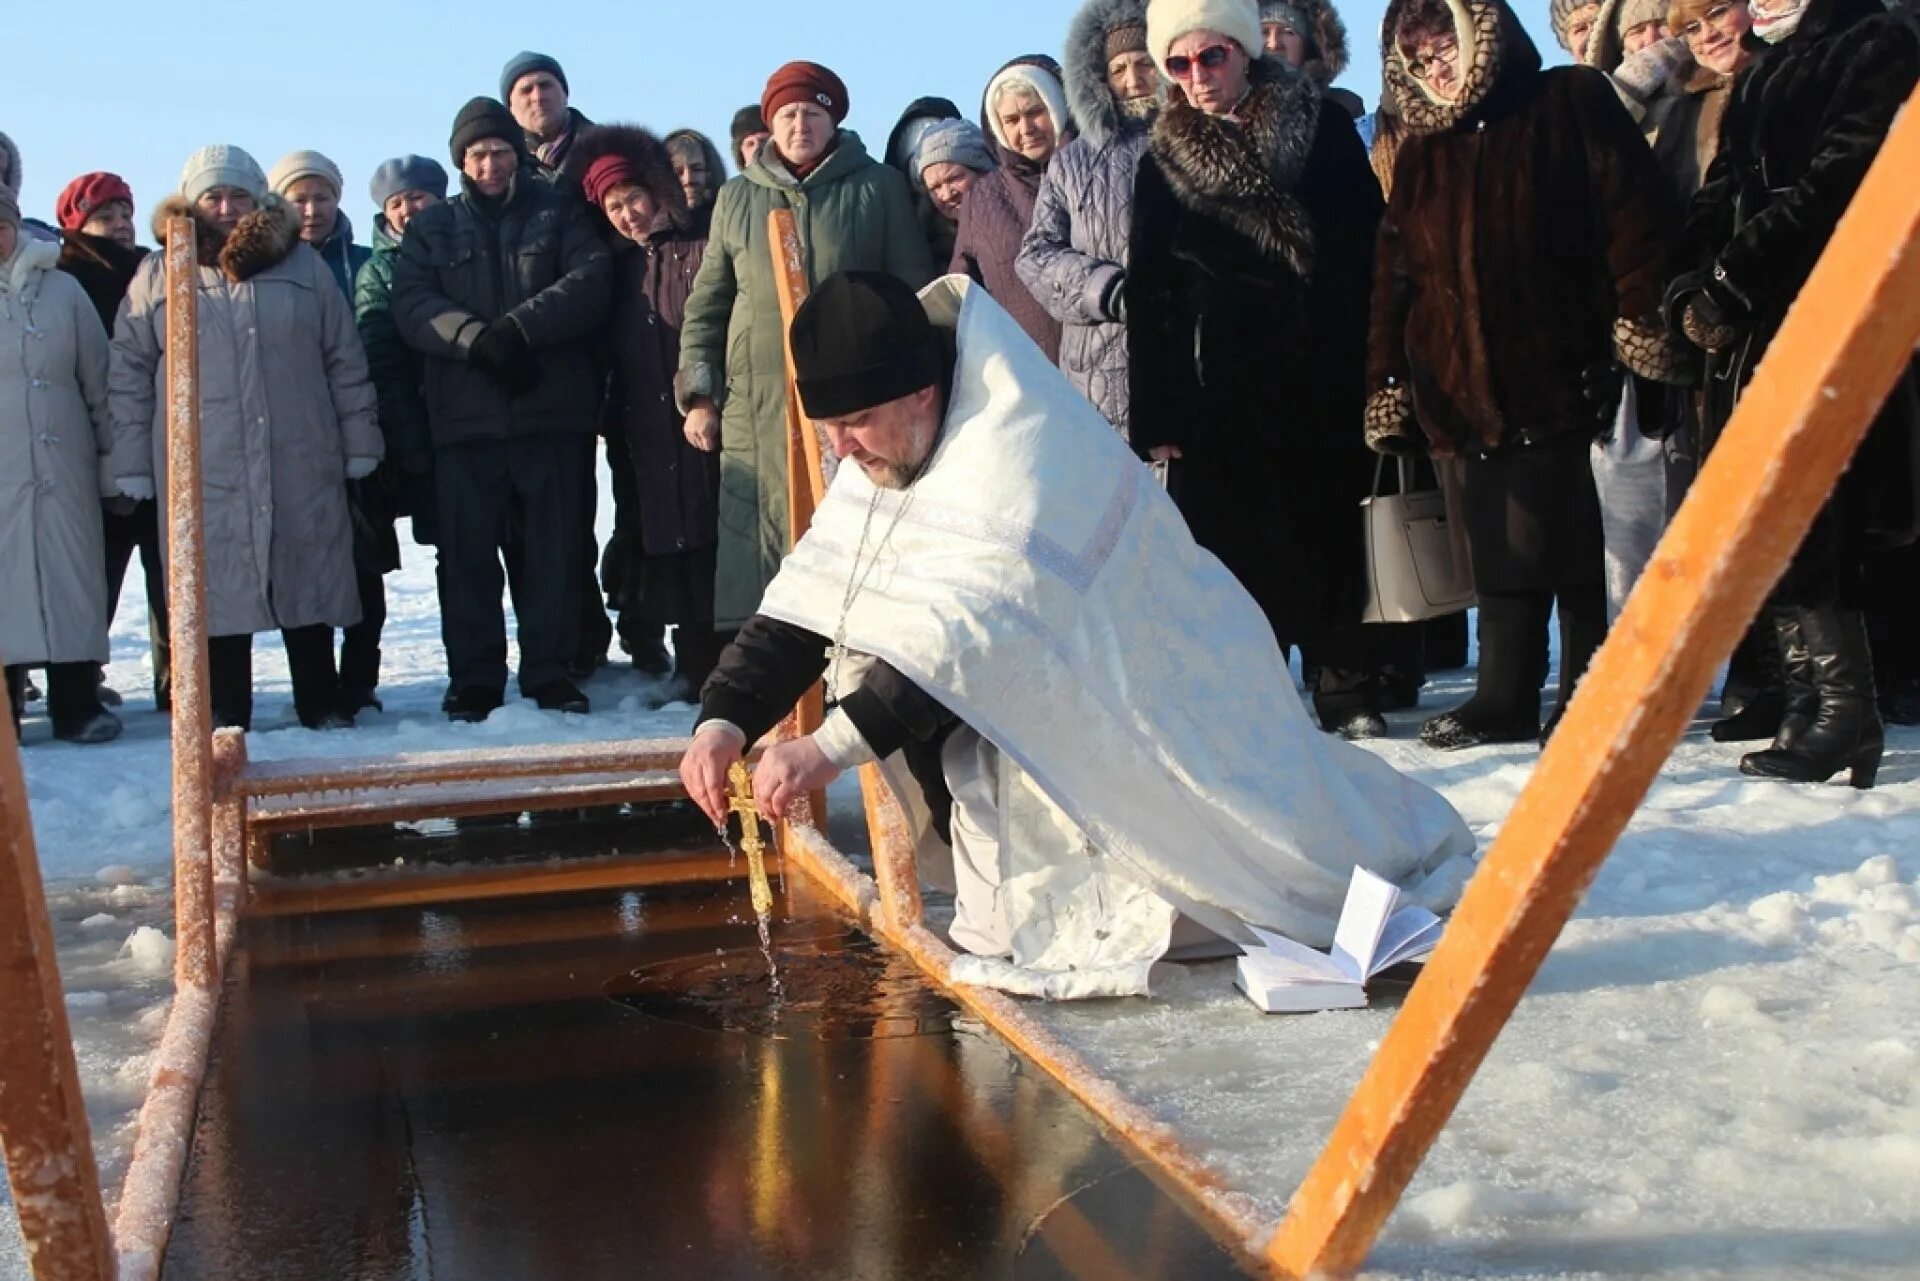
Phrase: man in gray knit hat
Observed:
(534, 87)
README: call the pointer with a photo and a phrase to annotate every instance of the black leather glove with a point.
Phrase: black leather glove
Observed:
(502, 353)
(1600, 385)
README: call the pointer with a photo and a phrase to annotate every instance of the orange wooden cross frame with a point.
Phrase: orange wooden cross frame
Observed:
(1850, 334)
(43, 1119)
(893, 867)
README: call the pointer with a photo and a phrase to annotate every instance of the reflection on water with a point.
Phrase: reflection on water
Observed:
(449, 1093)
(840, 988)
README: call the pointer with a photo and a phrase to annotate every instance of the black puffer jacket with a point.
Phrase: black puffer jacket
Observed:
(105, 269)
(1806, 121)
(535, 256)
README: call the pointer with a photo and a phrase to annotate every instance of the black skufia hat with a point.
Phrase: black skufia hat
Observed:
(861, 339)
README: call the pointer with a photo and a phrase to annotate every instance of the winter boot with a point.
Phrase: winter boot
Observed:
(471, 705)
(102, 727)
(1505, 707)
(1782, 701)
(646, 643)
(1844, 730)
(1358, 725)
(1785, 703)
(561, 696)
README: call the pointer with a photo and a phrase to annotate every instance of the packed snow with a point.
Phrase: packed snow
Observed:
(1715, 1076)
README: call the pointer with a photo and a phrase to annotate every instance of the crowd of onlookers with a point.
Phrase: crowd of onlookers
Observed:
(1545, 287)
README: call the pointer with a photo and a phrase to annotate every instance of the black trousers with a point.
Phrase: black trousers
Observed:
(126, 533)
(316, 685)
(480, 487)
(360, 644)
(73, 695)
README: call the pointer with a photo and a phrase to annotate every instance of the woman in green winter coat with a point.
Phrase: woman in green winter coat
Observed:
(853, 214)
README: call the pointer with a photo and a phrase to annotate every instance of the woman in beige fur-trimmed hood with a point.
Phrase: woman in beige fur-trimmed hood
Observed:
(287, 418)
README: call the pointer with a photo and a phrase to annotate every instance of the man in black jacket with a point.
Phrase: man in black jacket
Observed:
(501, 288)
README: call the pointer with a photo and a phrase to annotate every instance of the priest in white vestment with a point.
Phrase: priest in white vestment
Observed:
(1088, 716)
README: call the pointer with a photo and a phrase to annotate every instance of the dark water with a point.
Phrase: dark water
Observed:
(842, 986)
(599, 1085)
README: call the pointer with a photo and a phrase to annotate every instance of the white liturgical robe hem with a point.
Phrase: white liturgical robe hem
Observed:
(1044, 591)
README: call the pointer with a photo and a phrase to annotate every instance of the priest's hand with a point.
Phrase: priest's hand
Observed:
(788, 772)
(1164, 453)
(703, 770)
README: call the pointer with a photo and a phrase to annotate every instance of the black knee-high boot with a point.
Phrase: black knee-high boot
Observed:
(1505, 707)
(1583, 629)
(1844, 731)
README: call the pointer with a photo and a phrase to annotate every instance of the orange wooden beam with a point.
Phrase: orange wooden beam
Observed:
(806, 483)
(43, 1119)
(1847, 339)
(196, 957)
(896, 874)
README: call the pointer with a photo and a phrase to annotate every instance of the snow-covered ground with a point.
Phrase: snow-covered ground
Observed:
(1716, 1075)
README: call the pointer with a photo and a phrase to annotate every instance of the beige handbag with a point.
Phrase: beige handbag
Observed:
(1416, 568)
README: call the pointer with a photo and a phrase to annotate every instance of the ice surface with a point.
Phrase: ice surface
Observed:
(1716, 1076)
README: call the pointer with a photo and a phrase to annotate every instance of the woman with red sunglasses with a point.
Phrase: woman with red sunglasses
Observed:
(1253, 222)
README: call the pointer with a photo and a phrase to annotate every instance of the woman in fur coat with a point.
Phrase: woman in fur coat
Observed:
(53, 432)
(659, 569)
(288, 417)
(1253, 224)
(1519, 268)
(1804, 124)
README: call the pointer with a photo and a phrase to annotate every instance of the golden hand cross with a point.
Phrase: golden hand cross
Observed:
(740, 801)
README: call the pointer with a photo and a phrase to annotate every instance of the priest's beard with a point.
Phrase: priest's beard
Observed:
(898, 474)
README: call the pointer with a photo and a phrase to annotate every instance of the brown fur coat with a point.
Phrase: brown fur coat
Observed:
(1527, 238)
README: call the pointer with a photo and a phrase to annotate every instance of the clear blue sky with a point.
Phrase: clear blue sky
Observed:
(93, 87)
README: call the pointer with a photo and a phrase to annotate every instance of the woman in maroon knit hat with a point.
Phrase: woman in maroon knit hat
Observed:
(853, 214)
(97, 248)
(658, 567)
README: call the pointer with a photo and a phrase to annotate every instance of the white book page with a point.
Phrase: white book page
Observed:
(1297, 998)
(1370, 901)
(1281, 951)
(1411, 932)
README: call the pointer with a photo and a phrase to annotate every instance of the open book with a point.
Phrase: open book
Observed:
(1285, 977)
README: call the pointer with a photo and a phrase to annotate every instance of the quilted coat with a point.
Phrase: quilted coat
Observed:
(285, 401)
(1076, 248)
(53, 433)
(854, 214)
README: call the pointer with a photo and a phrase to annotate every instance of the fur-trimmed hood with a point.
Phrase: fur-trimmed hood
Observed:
(1245, 173)
(648, 156)
(1063, 126)
(1089, 98)
(1329, 34)
(716, 163)
(20, 275)
(1495, 54)
(263, 239)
